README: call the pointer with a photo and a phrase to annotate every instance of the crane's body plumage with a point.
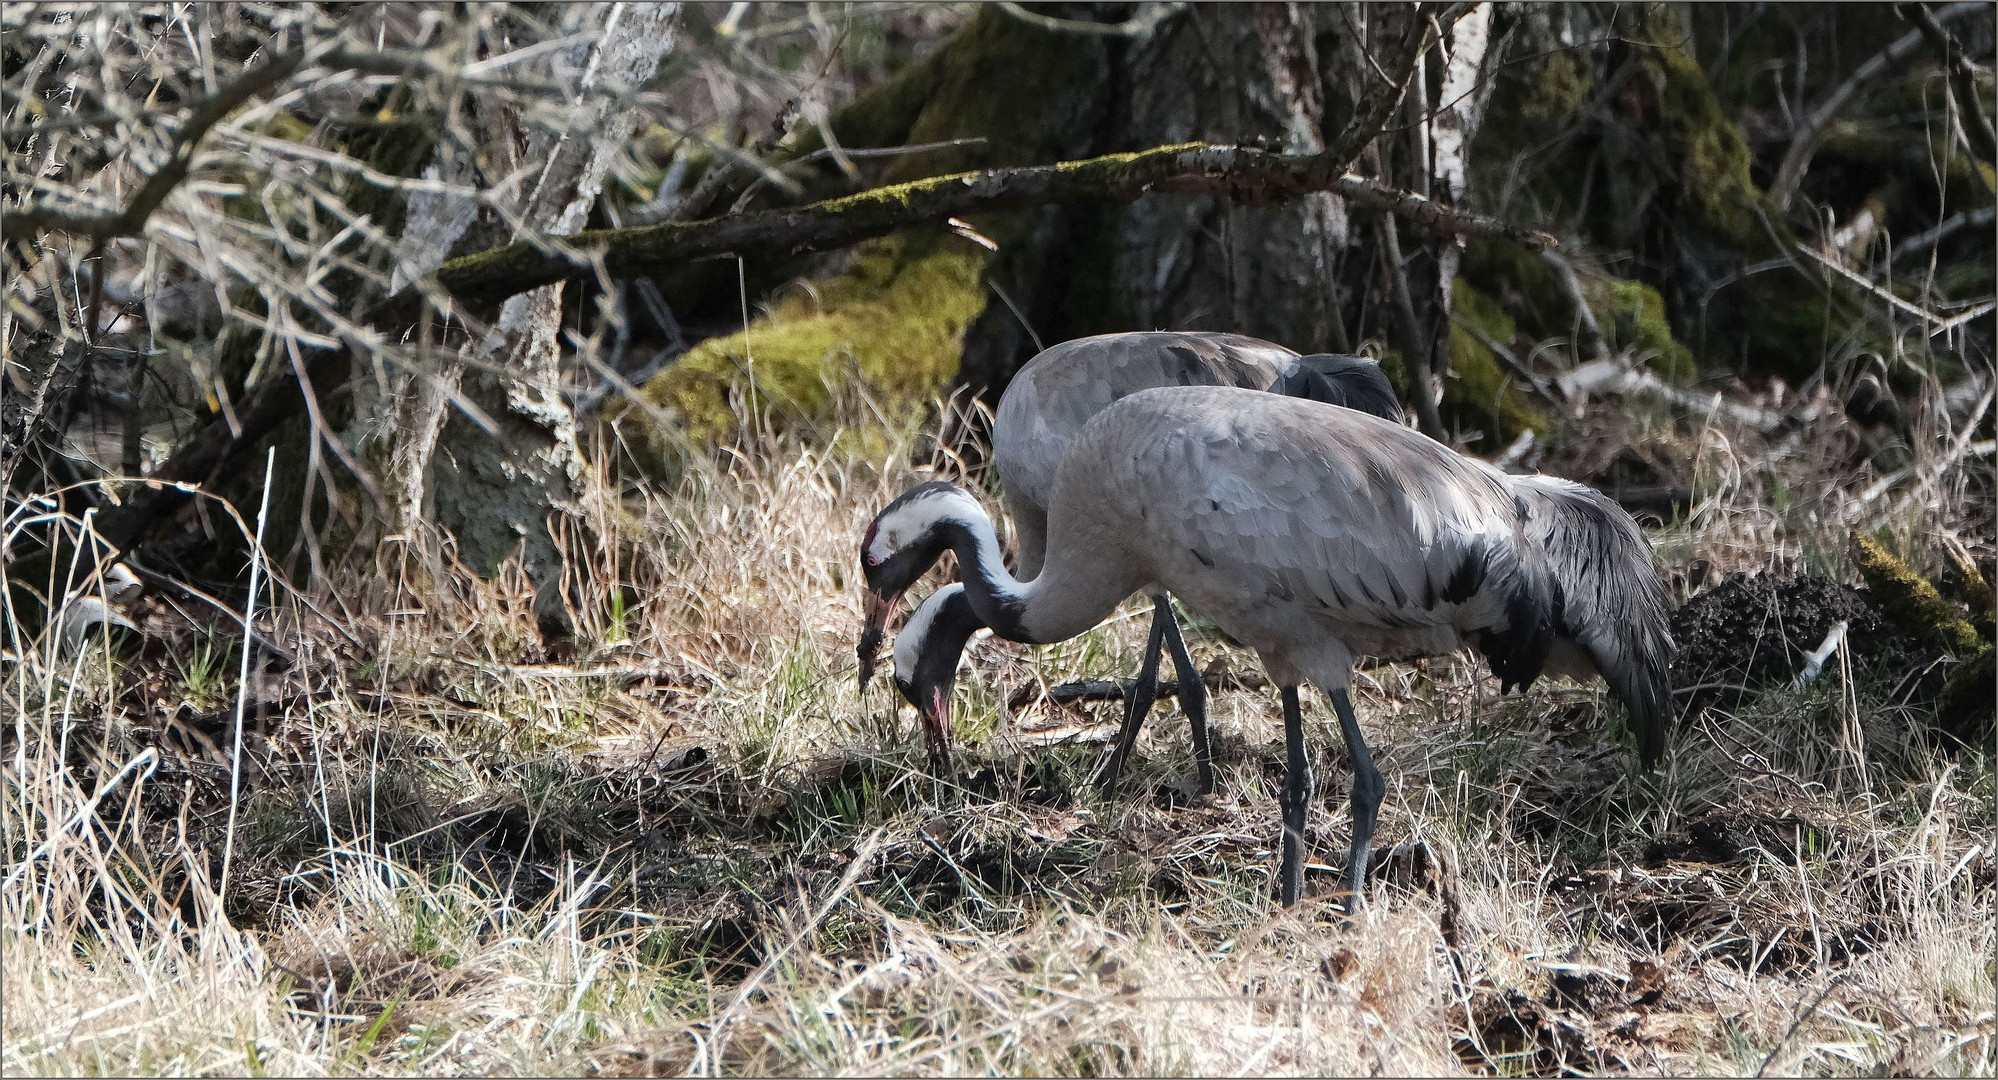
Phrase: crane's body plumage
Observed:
(1297, 529)
(1045, 409)
(1313, 535)
(1056, 394)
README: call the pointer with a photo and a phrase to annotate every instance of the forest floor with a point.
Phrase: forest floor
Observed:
(682, 841)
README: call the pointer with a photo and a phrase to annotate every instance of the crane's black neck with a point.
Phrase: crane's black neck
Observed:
(995, 595)
(928, 663)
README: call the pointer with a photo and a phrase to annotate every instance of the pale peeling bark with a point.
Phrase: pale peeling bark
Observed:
(1444, 141)
(1459, 108)
(1461, 103)
(500, 490)
(400, 413)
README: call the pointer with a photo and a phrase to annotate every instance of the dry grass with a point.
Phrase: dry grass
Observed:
(458, 848)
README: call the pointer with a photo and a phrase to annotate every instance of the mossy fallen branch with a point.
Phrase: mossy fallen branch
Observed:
(1965, 583)
(482, 281)
(1911, 601)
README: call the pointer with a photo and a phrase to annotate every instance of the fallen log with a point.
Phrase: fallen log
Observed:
(482, 281)
(1080, 690)
(474, 286)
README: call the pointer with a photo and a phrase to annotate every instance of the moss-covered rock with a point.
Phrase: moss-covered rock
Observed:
(1963, 582)
(1661, 171)
(894, 318)
(1560, 88)
(1633, 316)
(1911, 601)
(893, 313)
(1481, 393)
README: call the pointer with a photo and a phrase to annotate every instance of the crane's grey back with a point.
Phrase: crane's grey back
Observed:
(1057, 392)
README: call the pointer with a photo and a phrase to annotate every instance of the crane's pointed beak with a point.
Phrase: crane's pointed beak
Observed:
(880, 608)
(936, 728)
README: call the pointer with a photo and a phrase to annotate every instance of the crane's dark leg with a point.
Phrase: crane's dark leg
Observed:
(1296, 798)
(1142, 694)
(1192, 695)
(1367, 793)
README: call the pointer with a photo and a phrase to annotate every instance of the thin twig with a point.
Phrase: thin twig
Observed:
(1977, 132)
(129, 221)
(1979, 218)
(719, 1026)
(1859, 280)
(1805, 142)
(243, 675)
(1148, 19)
(1799, 1022)
(1505, 354)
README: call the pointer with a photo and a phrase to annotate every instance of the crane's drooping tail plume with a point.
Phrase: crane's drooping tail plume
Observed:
(1612, 603)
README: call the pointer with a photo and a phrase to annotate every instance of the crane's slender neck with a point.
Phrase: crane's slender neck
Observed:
(999, 599)
(1080, 581)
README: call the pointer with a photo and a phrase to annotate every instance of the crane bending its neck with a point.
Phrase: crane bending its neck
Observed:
(915, 530)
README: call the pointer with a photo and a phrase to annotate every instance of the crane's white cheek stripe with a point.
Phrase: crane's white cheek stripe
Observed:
(915, 518)
(909, 643)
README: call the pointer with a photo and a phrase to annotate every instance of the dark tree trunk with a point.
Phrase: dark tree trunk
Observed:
(1215, 73)
(1304, 272)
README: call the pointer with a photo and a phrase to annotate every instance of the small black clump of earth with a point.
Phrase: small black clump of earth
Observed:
(1756, 630)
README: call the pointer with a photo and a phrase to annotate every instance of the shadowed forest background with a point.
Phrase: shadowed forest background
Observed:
(437, 440)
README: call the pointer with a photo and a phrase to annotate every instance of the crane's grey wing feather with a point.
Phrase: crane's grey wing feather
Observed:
(1059, 390)
(1254, 507)
(1613, 604)
(1341, 511)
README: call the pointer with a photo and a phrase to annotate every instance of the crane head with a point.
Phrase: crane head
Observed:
(899, 547)
(926, 657)
(1353, 382)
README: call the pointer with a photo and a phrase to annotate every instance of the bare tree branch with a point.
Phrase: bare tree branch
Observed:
(1810, 133)
(207, 114)
(1149, 18)
(1384, 93)
(483, 280)
(1962, 83)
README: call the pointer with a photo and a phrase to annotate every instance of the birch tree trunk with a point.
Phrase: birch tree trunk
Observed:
(1436, 163)
(499, 486)
(1459, 107)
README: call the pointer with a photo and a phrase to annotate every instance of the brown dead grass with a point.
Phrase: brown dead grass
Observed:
(683, 843)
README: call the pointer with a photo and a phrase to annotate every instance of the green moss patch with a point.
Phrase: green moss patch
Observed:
(1911, 601)
(894, 318)
(1482, 393)
(1633, 315)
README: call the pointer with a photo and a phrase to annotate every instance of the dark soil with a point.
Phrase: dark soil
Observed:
(1757, 630)
(1721, 838)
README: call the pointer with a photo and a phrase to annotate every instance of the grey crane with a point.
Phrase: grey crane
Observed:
(1044, 409)
(1312, 535)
